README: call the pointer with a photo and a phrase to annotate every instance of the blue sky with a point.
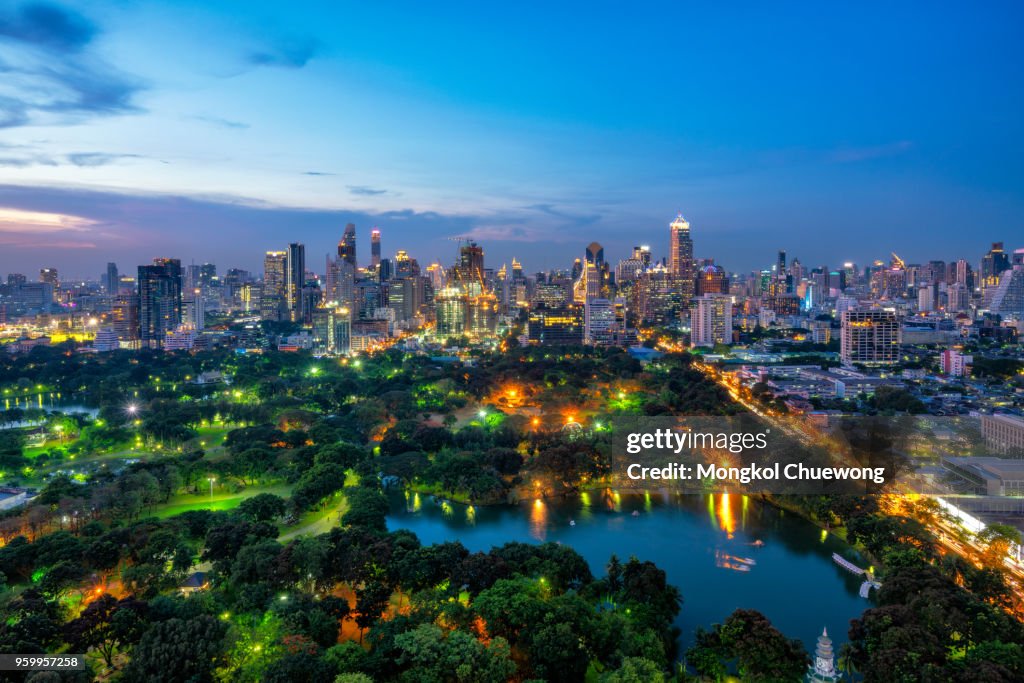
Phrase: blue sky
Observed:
(215, 131)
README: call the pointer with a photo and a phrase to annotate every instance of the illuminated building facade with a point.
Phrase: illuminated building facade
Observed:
(870, 337)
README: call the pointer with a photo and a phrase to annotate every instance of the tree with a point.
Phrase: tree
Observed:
(456, 657)
(996, 540)
(760, 651)
(298, 668)
(178, 650)
(264, 507)
(107, 625)
(371, 601)
(366, 508)
(634, 670)
(352, 678)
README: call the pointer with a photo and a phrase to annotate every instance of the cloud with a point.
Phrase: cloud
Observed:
(287, 55)
(26, 161)
(317, 173)
(15, 243)
(48, 73)
(364, 191)
(568, 217)
(91, 159)
(14, 220)
(222, 123)
(511, 233)
(48, 25)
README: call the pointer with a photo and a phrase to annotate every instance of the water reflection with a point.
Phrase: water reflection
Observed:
(723, 551)
(539, 520)
(726, 520)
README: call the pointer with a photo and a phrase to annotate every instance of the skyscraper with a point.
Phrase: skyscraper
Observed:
(159, 287)
(469, 273)
(993, 264)
(113, 280)
(711, 320)
(347, 245)
(49, 276)
(295, 277)
(681, 256)
(375, 248)
(272, 300)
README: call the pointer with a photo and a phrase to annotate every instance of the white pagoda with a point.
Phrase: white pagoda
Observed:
(823, 670)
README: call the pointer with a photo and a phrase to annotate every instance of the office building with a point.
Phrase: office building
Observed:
(347, 245)
(159, 288)
(332, 330)
(1004, 434)
(599, 322)
(375, 248)
(272, 299)
(680, 263)
(556, 326)
(993, 264)
(112, 280)
(711, 320)
(295, 280)
(870, 336)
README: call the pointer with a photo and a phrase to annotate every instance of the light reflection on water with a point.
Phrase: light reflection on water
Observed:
(723, 552)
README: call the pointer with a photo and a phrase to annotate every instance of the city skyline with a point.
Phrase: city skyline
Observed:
(288, 126)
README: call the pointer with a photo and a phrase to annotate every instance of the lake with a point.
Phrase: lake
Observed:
(706, 544)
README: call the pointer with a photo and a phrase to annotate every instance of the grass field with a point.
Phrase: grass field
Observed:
(219, 501)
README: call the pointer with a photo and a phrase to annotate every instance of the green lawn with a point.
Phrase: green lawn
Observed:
(219, 501)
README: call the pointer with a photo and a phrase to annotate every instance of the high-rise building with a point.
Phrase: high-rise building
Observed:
(954, 363)
(659, 297)
(1007, 297)
(194, 305)
(588, 285)
(927, 297)
(112, 281)
(599, 322)
(332, 330)
(340, 282)
(870, 336)
(643, 254)
(993, 264)
(347, 245)
(556, 326)
(295, 280)
(50, 277)
(272, 300)
(469, 272)
(159, 300)
(125, 315)
(711, 279)
(450, 305)
(375, 248)
(680, 256)
(711, 320)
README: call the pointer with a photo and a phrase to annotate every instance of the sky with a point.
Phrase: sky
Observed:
(213, 132)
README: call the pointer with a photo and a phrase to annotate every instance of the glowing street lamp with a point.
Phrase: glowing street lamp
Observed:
(482, 414)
